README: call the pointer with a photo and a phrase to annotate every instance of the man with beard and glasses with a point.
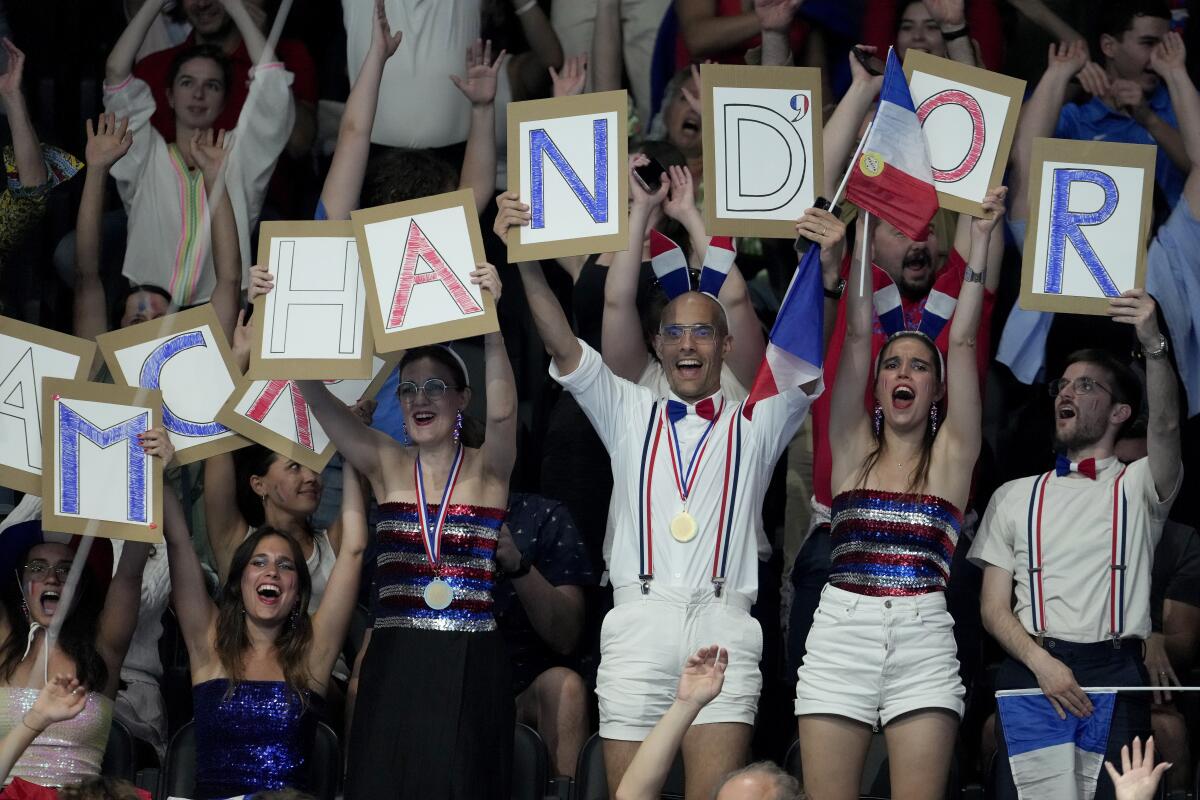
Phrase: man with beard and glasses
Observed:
(1076, 543)
(921, 274)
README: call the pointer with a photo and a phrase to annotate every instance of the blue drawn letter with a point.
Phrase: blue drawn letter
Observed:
(1066, 224)
(71, 426)
(152, 369)
(541, 144)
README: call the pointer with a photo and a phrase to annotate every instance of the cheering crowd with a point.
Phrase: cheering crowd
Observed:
(587, 525)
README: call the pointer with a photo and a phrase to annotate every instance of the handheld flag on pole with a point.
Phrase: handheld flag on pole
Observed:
(794, 349)
(892, 178)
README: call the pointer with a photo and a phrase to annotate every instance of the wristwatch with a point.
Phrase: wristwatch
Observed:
(522, 570)
(1160, 351)
(971, 276)
(836, 292)
(950, 36)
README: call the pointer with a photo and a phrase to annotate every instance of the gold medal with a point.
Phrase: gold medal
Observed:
(438, 594)
(684, 527)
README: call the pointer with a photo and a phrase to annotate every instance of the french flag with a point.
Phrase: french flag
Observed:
(893, 179)
(1052, 758)
(795, 347)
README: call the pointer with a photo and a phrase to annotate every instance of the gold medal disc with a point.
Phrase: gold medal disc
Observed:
(684, 527)
(438, 594)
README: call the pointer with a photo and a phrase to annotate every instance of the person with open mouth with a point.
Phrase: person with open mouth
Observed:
(94, 613)
(434, 713)
(881, 647)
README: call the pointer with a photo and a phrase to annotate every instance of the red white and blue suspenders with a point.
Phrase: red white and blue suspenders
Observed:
(1116, 566)
(725, 528)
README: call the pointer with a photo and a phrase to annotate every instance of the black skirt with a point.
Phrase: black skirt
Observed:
(433, 718)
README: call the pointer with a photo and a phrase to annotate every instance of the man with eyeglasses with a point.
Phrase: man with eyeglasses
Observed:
(1076, 543)
(689, 474)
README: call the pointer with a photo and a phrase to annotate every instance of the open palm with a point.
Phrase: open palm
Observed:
(703, 675)
(479, 84)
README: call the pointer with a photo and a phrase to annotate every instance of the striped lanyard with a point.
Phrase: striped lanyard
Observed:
(431, 537)
(733, 460)
(1116, 563)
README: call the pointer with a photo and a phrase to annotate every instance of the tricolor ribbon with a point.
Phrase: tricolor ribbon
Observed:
(432, 538)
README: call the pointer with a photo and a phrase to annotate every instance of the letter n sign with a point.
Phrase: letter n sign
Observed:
(567, 161)
(97, 478)
(1089, 215)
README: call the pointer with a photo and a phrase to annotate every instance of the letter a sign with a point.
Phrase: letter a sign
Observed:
(417, 258)
(567, 161)
(1089, 214)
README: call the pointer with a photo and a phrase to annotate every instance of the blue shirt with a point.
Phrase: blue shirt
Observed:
(1095, 122)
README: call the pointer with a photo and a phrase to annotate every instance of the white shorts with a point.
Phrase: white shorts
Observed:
(644, 643)
(874, 658)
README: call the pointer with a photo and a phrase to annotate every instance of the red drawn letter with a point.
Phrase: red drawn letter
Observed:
(266, 399)
(417, 247)
(956, 97)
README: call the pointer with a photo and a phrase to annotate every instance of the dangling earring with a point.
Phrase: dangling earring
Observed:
(404, 440)
(458, 427)
(25, 610)
(294, 616)
(877, 419)
(933, 419)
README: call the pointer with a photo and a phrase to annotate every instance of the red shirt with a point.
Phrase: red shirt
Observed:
(949, 281)
(879, 28)
(153, 70)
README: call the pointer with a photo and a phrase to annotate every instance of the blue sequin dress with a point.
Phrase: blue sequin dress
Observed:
(434, 716)
(255, 739)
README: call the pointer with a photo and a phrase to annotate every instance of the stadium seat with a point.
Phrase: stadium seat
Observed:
(119, 754)
(531, 765)
(591, 782)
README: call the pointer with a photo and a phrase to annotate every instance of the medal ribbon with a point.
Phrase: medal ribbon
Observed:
(432, 538)
(686, 479)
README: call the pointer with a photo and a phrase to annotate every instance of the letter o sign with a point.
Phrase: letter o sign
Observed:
(957, 97)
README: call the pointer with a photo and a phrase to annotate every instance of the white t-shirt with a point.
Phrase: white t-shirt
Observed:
(419, 106)
(620, 413)
(1077, 516)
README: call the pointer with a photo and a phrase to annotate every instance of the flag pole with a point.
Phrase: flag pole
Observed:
(853, 161)
(862, 268)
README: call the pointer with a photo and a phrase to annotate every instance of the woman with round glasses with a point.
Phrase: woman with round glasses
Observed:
(434, 710)
(93, 635)
(881, 646)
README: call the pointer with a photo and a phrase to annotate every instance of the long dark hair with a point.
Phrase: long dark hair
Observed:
(249, 462)
(77, 638)
(472, 429)
(920, 476)
(294, 641)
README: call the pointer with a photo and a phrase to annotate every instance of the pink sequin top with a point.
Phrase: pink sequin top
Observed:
(66, 753)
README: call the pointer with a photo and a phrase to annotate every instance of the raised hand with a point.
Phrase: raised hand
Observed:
(859, 73)
(681, 194)
(364, 409)
(1128, 96)
(511, 213)
(1067, 58)
(1169, 55)
(208, 151)
(243, 335)
(993, 211)
(569, 82)
(703, 675)
(1135, 307)
(479, 85)
(383, 41)
(486, 277)
(261, 282)
(821, 226)
(10, 80)
(641, 197)
(775, 15)
(156, 442)
(61, 699)
(693, 100)
(1094, 79)
(1138, 778)
(108, 140)
(947, 13)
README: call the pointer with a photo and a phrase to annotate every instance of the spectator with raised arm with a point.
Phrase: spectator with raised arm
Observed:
(967, 32)
(1060, 539)
(162, 184)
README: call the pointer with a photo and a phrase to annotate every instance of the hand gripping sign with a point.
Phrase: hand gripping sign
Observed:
(1089, 217)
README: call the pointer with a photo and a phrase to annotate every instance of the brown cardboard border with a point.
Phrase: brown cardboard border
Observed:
(557, 108)
(1012, 88)
(19, 479)
(150, 399)
(305, 368)
(476, 325)
(748, 77)
(268, 438)
(1139, 156)
(198, 317)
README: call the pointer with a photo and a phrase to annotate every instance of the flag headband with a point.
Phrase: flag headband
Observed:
(671, 267)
